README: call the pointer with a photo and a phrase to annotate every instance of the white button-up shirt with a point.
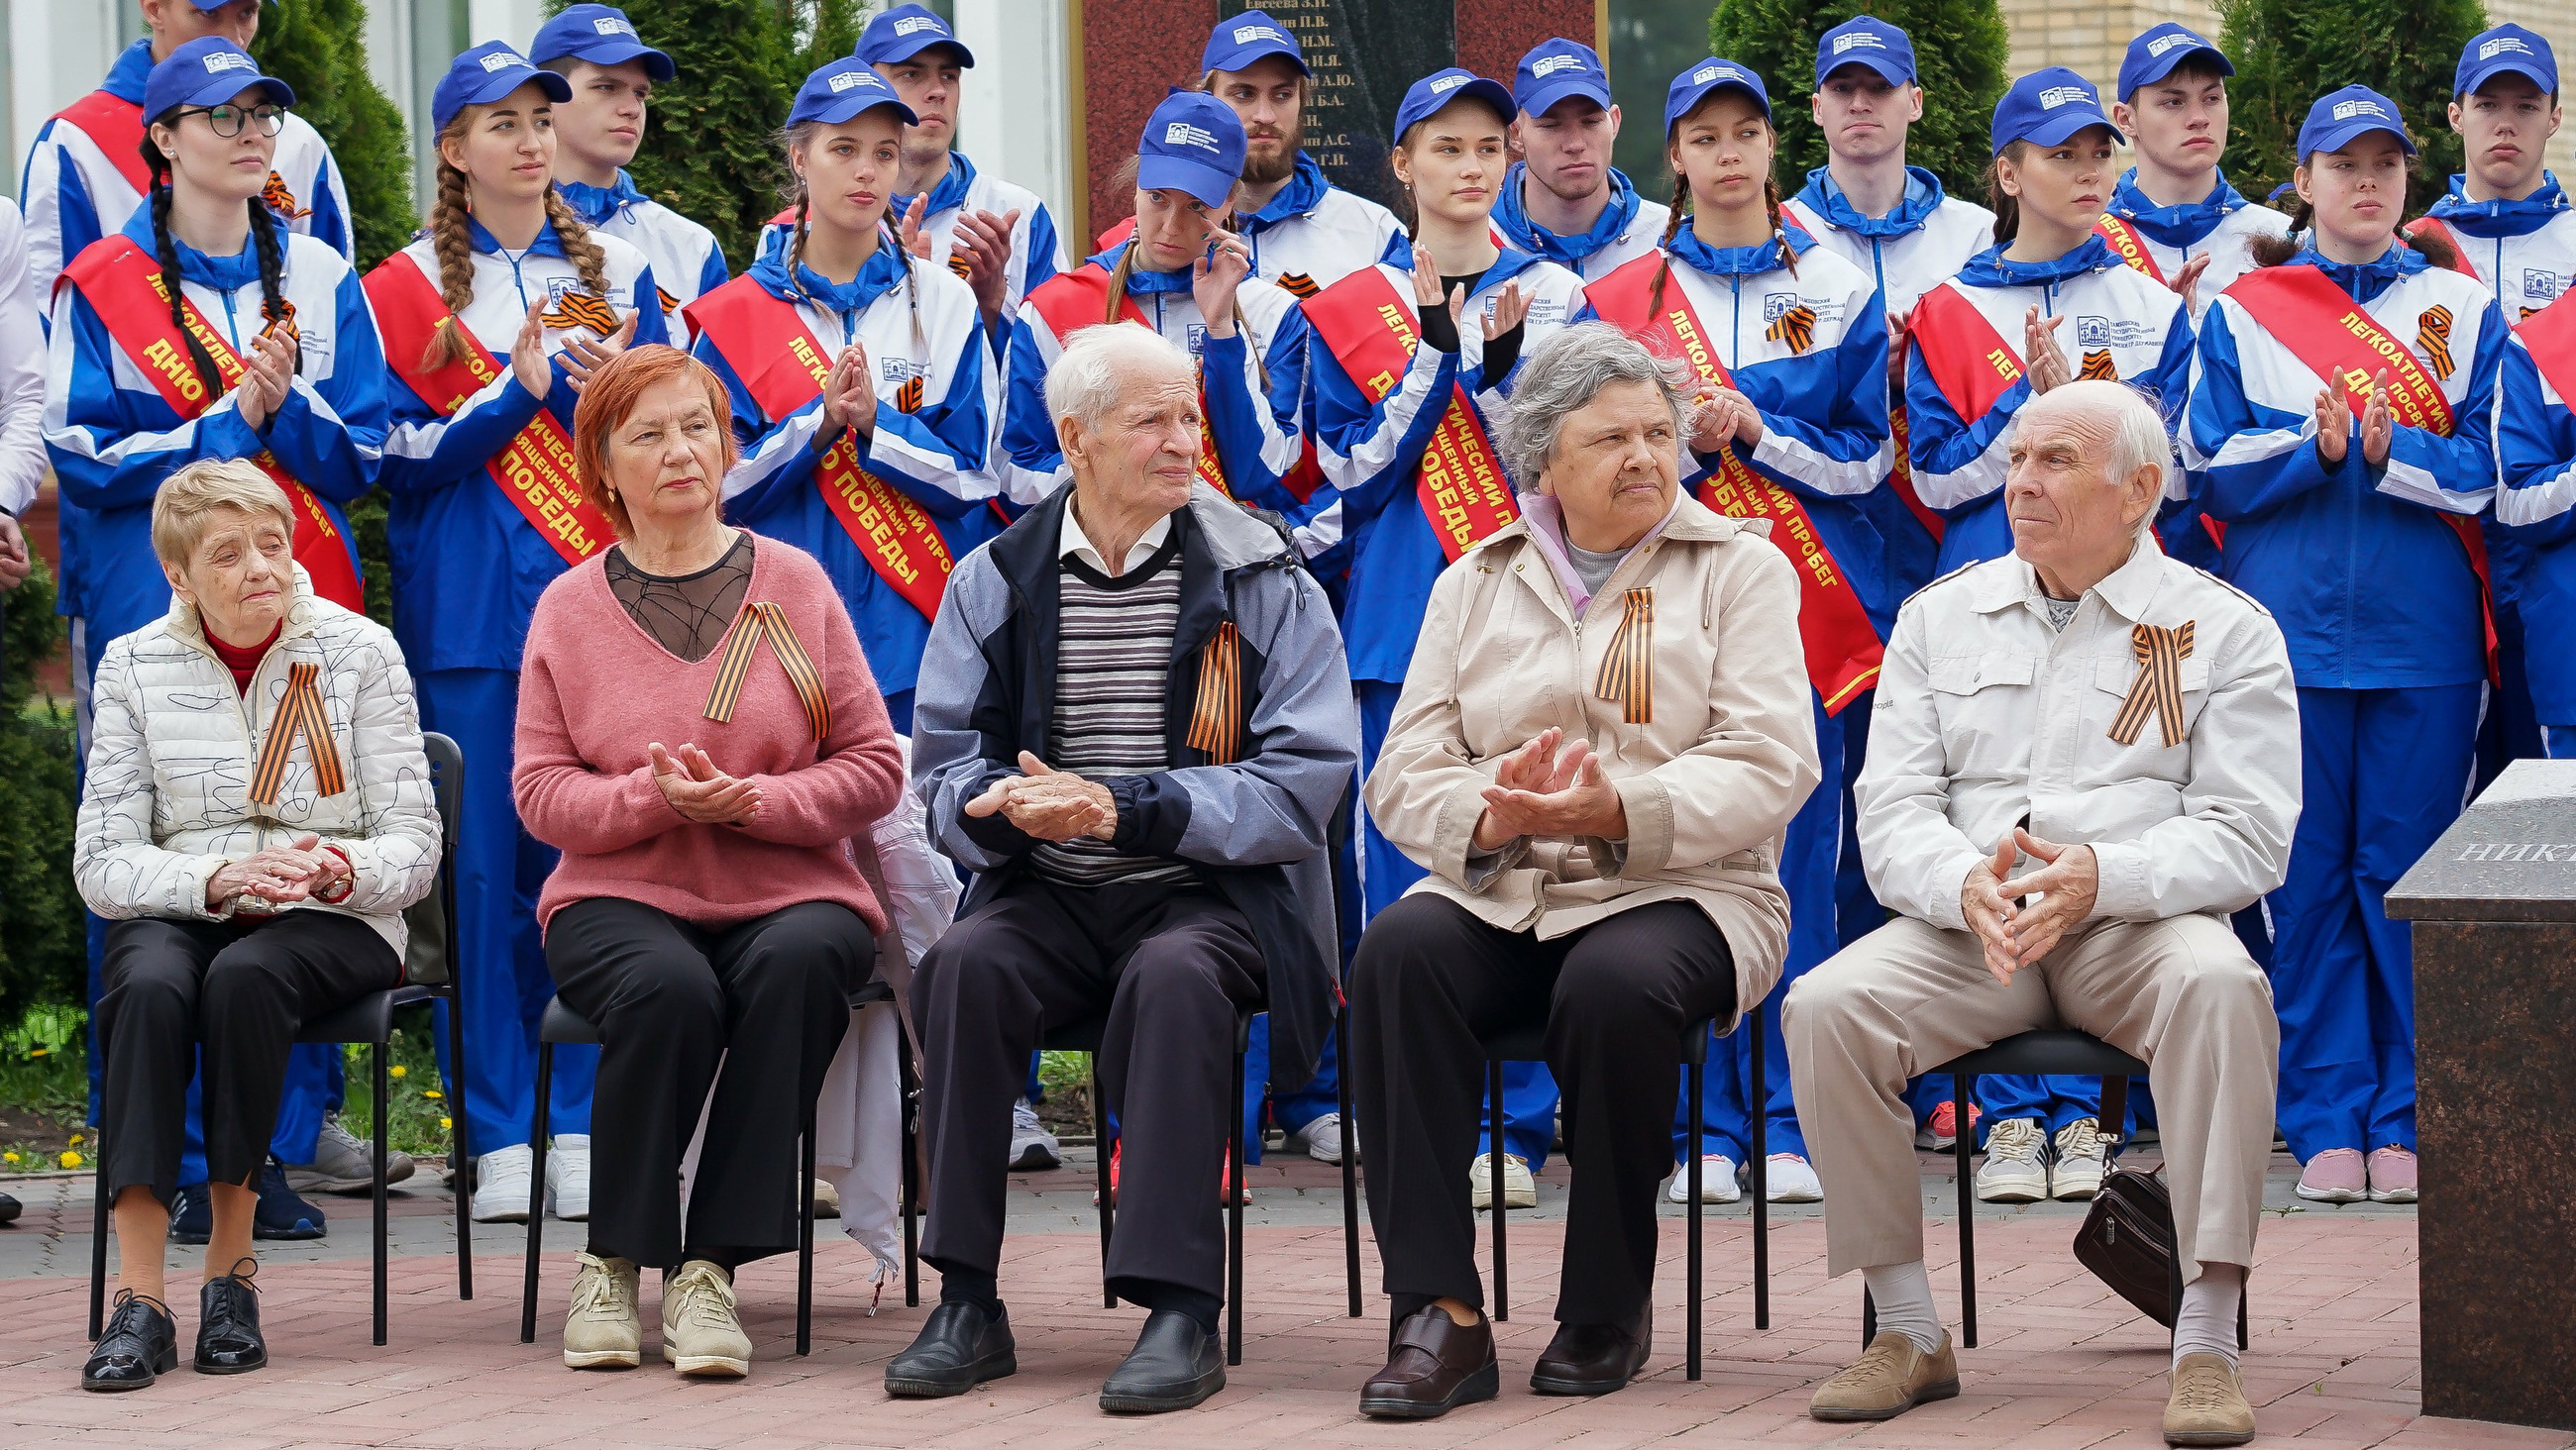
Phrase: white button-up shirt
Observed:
(1987, 718)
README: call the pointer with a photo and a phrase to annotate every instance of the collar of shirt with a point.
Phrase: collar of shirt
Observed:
(880, 274)
(1566, 251)
(1825, 198)
(596, 204)
(1073, 543)
(1305, 191)
(1762, 256)
(2173, 226)
(1990, 268)
(2125, 590)
(2364, 281)
(2500, 218)
(222, 274)
(547, 243)
(949, 193)
(133, 67)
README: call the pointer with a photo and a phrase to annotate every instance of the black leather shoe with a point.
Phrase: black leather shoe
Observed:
(228, 1339)
(139, 1346)
(1174, 1365)
(1594, 1359)
(1434, 1365)
(957, 1349)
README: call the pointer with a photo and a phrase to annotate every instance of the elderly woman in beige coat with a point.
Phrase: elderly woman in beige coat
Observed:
(1601, 740)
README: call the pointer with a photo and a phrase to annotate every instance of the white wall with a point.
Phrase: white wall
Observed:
(1016, 120)
(58, 49)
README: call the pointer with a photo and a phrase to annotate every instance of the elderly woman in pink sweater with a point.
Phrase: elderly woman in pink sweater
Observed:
(699, 733)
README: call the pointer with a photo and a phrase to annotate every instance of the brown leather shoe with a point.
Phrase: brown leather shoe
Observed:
(1435, 1365)
(1594, 1359)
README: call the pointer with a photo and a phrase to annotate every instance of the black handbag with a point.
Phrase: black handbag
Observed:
(2128, 1241)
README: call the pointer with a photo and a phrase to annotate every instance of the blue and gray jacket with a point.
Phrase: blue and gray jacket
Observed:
(2536, 509)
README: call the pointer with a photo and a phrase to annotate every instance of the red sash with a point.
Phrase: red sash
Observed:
(1843, 651)
(2549, 335)
(2130, 245)
(535, 469)
(783, 365)
(1969, 360)
(1369, 329)
(1072, 301)
(2325, 329)
(2429, 226)
(123, 285)
(117, 126)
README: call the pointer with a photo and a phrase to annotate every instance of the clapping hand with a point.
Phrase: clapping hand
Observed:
(1213, 278)
(1989, 911)
(2378, 423)
(1538, 791)
(277, 875)
(907, 231)
(850, 395)
(268, 375)
(2066, 884)
(582, 356)
(1509, 308)
(699, 791)
(2045, 366)
(1898, 339)
(2334, 425)
(528, 353)
(1049, 804)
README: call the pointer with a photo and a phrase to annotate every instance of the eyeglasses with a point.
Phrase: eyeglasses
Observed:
(229, 120)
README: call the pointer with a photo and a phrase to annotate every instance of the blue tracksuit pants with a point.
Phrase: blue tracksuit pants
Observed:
(2560, 740)
(2385, 772)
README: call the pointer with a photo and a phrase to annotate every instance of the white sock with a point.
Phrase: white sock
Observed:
(1902, 1294)
(2207, 1323)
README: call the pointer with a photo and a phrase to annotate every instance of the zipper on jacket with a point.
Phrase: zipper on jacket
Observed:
(232, 323)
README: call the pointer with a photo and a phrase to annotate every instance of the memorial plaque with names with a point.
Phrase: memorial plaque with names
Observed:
(1363, 53)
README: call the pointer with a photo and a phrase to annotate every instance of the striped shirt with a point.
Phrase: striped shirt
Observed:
(1113, 672)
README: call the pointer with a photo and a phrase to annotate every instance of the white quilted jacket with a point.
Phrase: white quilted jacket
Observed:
(167, 801)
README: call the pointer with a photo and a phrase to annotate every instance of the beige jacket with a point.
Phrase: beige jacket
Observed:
(1709, 783)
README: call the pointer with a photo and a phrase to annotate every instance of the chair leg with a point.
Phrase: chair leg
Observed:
(911, 1170)
(1494, 1182)
(376, 1058)
(805, 1238)
(1234, 1220)
(536, 1194)
(1690, 1327)
(102, 1218)
(2113, 1116)
(1350, 1159)
(1761, 1180)
(1104, 1138)
(2242, 1343)
(458, 1154)
(1962, 1087)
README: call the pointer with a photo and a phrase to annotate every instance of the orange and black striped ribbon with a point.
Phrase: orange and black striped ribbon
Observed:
(743, 641)
(1216, 722)
(2433, 339)
(278, 197)
(2098, 367)
(1628, 670)
(300, 712)
(907, 398)
(1794, 329)
(582, 309)
(2158, 687)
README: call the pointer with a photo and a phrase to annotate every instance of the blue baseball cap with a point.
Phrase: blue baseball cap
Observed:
(1194, 143)
(2505, 48)
(600, 34)
(2048, 107)
(487, 73)
(2154, 54)
(1866, 40)
(843, 90)
(1238, 42)
(2342, 117)
(906, 31)
(207, 72)
(1710, 75)
(1428, 96)
(1555, 69)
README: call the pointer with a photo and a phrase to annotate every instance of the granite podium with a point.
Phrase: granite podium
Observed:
(2494, 907)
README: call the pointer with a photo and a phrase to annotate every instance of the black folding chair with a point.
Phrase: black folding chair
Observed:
(1529, 1044)
(2048, 1052)
(370, 1020)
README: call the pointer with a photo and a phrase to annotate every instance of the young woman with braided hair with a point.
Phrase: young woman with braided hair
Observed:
(862, 387)
(493, 323)
(206, 330)
(1788, 343)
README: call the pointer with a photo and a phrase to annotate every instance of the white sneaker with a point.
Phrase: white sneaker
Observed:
(700, 1333)
(1787, 1178)
(1520, 1190)
(1716, 1181)
(501, 1184)
(2077, 1162)
(2014, 1171)
(604, 1329)
(568, 1176)
(1032, 1146)
(1323, 1138)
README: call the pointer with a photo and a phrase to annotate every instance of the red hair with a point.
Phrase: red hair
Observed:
(612, 394)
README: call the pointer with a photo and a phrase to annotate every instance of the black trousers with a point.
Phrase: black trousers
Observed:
(1172, 965)
(243, 987)
(1429, 980)
(767, 999)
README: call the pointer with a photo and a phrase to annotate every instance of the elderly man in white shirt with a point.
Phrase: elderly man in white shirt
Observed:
(2083, 757)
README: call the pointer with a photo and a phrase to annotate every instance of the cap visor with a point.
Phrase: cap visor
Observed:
(619, 52)
(2340, 137)
(1693, 100)
(1885, 66)
(222, 89)
(846, 109)
(899, 51)
(494, 87)
(2165, 65)
(2058, 130)
(1238, 59)
(1172, 173)
(1544, 97)
(2515, 67)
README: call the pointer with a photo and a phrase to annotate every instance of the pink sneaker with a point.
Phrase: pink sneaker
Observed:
(2336, 1175)
(2392, 1175)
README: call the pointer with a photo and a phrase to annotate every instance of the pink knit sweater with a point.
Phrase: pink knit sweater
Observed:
(595, 690)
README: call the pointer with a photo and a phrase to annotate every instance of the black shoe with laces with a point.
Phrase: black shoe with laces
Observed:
(192, 1214)
(228, 1340)
(282, 1215)
(141, 1345)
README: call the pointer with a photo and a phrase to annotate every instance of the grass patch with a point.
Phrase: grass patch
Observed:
(44, 1091)
(418, 1119)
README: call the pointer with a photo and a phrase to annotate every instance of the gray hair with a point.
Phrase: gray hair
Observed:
(1099, 361)
(2136, 430)
(188, 501)
(1565, 374)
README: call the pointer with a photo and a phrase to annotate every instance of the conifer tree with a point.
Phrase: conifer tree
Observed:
(319, 47)
(2289, 52)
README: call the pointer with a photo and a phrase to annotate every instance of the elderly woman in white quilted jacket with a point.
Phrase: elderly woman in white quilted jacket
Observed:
(257, 815)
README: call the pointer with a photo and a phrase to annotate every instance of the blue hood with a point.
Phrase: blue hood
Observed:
(1764, 256)
(881, 273)
(950, 192)
(2363, 281)
(1306, 190)
(2173, 226)
(596, 204)
(1569, 252)
(1989, 269)
(223, 274)
(1826, 200)
(2500, 218)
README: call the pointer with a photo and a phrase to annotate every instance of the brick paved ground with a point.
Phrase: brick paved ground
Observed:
(2062, 1364)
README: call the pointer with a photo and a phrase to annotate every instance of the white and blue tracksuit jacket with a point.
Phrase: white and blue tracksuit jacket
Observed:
(918, 322)
(687, 260)
(1313, 233)
(2221, 225)
(73, 193)
(2535, 508)
(2114, 313)
(467, 567)
(1037, 251)
(112, 440)
(2524, 251)
(1371, 454)
(1909, 251)
(2371, 588)
(1254, 383)
(1628, 228)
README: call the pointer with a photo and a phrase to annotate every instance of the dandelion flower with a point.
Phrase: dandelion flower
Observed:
(443, 1123)
(71, 1159)
(8, 1157)
(432, 1093)
(76, 1140)
(394, 1071)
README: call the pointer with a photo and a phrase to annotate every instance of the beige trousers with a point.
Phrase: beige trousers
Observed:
(2180, 994)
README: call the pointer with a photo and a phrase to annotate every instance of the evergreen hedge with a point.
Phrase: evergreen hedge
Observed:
(2289, 52)
(43, 957)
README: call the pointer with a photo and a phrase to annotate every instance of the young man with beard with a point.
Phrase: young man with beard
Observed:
(1563, 201)
(2173, 216)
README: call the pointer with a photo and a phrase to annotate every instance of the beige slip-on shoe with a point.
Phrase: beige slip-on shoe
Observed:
(1890, 1378)
(2207, 1404)
(700, 1335)
(604, 1329)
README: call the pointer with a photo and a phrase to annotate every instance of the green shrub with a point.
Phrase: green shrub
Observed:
(42, 953)
(320, 48)
(2289, 52)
